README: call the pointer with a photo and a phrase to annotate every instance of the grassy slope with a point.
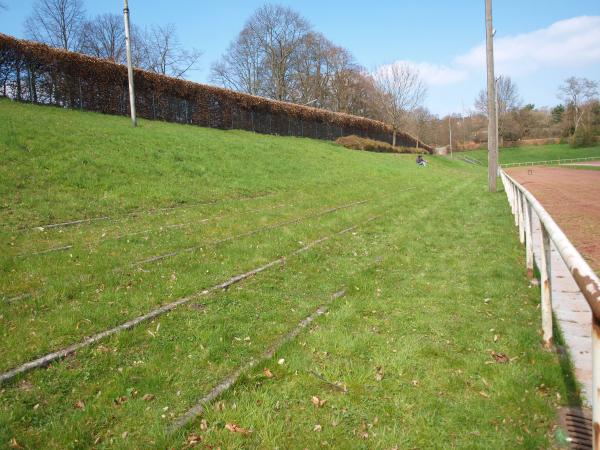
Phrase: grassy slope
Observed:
(425, 295)
(536, 153)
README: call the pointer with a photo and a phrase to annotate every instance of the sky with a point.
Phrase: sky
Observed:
(538, 43)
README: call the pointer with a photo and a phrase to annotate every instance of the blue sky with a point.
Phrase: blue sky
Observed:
(539, 43)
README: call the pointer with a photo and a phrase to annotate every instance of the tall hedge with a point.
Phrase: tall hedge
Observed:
(36, 73)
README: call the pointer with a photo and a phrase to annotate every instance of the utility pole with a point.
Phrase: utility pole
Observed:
(129, 66)
(491, 100)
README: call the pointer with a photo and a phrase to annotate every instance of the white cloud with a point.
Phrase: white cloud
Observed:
(572, 42)
(569, 43)
(434, 74)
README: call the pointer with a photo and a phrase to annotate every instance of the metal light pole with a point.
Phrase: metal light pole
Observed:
(129, 66)
(491, 100)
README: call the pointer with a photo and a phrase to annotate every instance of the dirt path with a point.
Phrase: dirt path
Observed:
(572, 197)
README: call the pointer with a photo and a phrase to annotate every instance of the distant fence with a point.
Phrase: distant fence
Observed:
(552, 162)
(36, 73)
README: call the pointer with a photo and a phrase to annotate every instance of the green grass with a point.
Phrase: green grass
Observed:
(433, 286)
(536, 153)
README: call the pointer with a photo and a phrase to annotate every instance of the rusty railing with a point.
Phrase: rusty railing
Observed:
(524, 205)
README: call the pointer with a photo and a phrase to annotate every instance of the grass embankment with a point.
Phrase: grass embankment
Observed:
(535, 153)
(435, 287)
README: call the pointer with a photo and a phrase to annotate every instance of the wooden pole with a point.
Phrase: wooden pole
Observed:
(491, 100)
(129, 65)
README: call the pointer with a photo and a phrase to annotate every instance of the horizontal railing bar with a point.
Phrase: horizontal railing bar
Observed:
(550, 161)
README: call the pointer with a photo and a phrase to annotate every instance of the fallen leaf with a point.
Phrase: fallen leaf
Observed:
(120, 400)
(379, 373)
(14, 444)
(148, 397)
(234, 428)
(193, 440)
(267, 373)
(318, 428)
(317, 401)
(483, 394)
(125, 434)
(79, 404)
(281, 362)
(500, 357)
(415, 383)
(203, 425)
(219, 406)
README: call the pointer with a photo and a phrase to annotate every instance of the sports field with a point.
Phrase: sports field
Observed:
(285, 292)
(572, 197)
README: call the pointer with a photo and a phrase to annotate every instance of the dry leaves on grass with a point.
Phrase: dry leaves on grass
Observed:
(500, 357)
(193, 440)
(235, 428)
(120, 400)
(79, 404)
(379, 373)
(318, 402)
(267, 373)
(317, 428)
(148, 397)
(203, 425)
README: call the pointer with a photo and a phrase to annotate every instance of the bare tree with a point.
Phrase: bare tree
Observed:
(420, 120)
(57, 23)
(278, 55)
(164, 53)
(241, 68)
(509, 101)
(402, 90)
(104, 37)
(313, 69)
(280, 32)
(575, 92)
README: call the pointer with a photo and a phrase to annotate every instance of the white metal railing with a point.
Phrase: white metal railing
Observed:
(551, 161)
(523, 205)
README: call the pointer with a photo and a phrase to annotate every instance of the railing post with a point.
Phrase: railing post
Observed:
(595, 383)
(528, 240)
(511, 199)
(516, 206)
(546, 270)
(521, 218)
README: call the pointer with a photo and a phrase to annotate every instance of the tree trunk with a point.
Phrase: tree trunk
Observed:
(18, 68)
(394, 138)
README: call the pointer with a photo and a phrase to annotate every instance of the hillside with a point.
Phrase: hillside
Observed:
(417, 330)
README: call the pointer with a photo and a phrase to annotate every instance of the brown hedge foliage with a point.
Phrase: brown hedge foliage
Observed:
(34, 72)
(370, 145)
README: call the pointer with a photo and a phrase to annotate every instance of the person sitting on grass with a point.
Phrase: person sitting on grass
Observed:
(421, 161)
